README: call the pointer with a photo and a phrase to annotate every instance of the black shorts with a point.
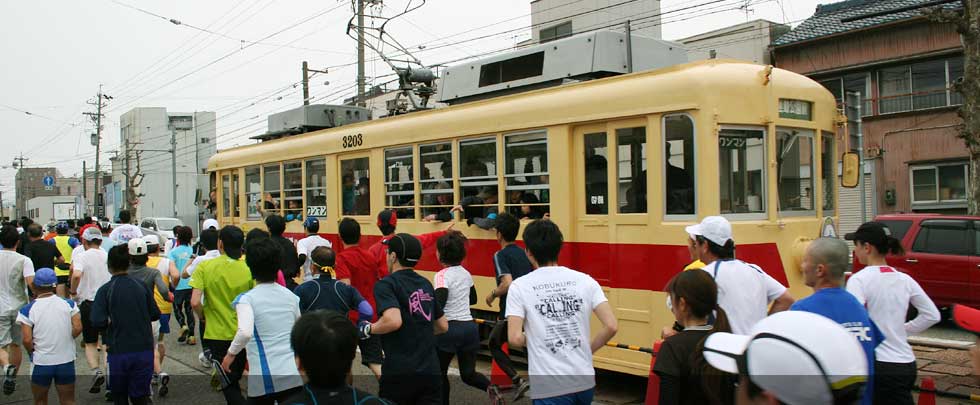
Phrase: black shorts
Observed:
(462, 336)
(90, 334)
(371, 350)
(411, 389)
(63, 280)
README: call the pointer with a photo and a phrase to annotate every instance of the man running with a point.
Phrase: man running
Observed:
(181, 256)
(168, 272)
(125, 231)
(50, 325)
(325, 292)
(289, 263)
(43, 254)
(208, 245)
(66, 245)
(357, 267)
(90, 272)
(305, 246)
(510, 263)
(387, 223)
(16, 274)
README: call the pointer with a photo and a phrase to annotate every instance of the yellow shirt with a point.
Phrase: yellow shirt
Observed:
(697, 264)
(165, 306)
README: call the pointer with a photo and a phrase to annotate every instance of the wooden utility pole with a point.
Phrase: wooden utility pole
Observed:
(97, 141)
(306, 81)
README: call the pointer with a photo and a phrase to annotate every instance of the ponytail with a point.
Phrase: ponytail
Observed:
(895, 247)
(721, 321)
(716, 383)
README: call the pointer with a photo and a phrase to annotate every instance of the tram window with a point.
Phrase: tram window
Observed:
(436, 180)
(596, 174)
(355, 186)
(794, 169)
(478, 175)
(316, 188)
(226, 196)
(679, 190)
(829, 173)
(236, 210)
(253, 191)
(271, 185)
(632, 170)
(526, 173)
(293, 189)
(741, 163)
(399, 183)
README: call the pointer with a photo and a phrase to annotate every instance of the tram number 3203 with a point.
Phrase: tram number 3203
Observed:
(353, 141)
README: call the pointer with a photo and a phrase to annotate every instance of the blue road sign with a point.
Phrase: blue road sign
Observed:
(48, 181)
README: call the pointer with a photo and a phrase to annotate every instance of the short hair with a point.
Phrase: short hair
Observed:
(543, 239)
(125, 216)
(255, 234)
(139, 260)
(323, 256)
(263, 257)
(723, 252)
(209, 238)
(276, 224)
(830, 252)
(34, 230)
(324, 334)
(508, 226)
(350, 231)
(452, 248)
(184, 235)
(25, 222)
(9, 236)
(312, 227)
(153, 248)
(232, 238)
(118, 259)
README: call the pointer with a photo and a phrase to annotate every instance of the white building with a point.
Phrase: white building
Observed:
(148, 132)
(747, 41)
(48, 209)
(554, 19)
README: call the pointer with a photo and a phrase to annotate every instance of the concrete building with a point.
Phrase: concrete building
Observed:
(748, 41)
(29, 183)
(902, 66)
(56, 208)
(147, 132)
(554, 19)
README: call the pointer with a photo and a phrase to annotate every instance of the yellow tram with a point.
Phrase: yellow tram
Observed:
(621, 164)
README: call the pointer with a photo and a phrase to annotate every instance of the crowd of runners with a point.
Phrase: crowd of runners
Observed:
(289, 316)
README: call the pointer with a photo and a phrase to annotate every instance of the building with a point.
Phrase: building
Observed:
(30, 183)
(748, 41)
(902, 66)
(145, 143)
(50, 209)
(554, 19)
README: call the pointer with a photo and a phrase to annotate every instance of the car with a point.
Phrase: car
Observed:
(942, 253)
(162, 225)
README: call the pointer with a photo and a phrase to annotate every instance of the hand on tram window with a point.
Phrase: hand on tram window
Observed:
(429, 218)
(452, 224)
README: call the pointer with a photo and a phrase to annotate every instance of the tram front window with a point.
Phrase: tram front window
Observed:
(794, 169)
(741, 163)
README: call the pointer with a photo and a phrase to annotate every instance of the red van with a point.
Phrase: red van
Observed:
(942, 253)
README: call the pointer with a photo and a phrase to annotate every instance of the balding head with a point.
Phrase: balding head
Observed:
(832, 254)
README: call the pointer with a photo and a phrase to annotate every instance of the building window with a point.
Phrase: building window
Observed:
(852, 83)
(596, 173)
(632, 170)
(556, 32)
(679, 165)
(794, 169)
(741, 163)
(271, 185)
(919, 86)
(436, 179)
(828, 164)
(253, 191)
(894, 87)
(316, 188)
(356, 188)
(940, 184)
(399, 181)
(526, 174)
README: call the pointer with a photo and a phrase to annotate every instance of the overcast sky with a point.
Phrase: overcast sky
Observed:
(56, 53)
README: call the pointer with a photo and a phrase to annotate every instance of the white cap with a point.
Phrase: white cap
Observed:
(137, 247)
(716, 229)
(95, 219)
(151, 239)
(92, 233)
(210, 223)
(800, 357)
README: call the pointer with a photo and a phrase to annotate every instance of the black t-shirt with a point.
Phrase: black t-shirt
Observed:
(327, 293)
(679, 367)
(510, 260)
(411, 350)
(310, 395)
(42, 253)
(289, 259)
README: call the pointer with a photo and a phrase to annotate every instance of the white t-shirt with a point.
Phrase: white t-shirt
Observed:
(14, 269)
(305, 246)
(887, 293)
(744, 292)
(123, 233)
(164, 267)
(556, 304)
(211, 254)
(458, 281)
(93, 266)
(51, 319)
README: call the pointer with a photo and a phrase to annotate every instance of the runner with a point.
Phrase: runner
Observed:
(90, 272)
(208, 244)
(181, 256)
(216, 283)
(455, 293)
(125, 231)
(358, 268)
(49, 325)
(387, 222)
(266, 315)
(744, 290)
(66, 245)
(24, 224)
(510, 263)
(124, 309)
(16, 274)
(409, 314)
(305, 246)
(319, 335)
(325, 292)
(289, 264)
(168, 272)
(554, 304)
(888, 293)
(43, 254)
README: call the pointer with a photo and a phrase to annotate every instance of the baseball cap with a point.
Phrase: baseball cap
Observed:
(92, 233)
(966, 318)
(311, 222)
(45, 277)
(716, 229)
(800, 357)
(137, 247)
(151, 239)
(406, 247)
(210, 223)
(874, 232)
(61, 226)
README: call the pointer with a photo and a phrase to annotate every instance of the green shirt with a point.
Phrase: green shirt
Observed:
(221, 280)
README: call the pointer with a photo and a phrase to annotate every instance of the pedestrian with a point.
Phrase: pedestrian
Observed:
(387, 223)
(66, 245)
(325, 292)
(692, 251)
(510, 263)
(124, 310)
(409, 315)
(745, 291)
(357, 267)
(887, 294)
(90, 271)
(50, 325)
(208, 224)
(794, 358)
(24, 224)
(455, 293)
(555, 304)
(305, 246)
(168, 272)
(208, 244)
(16, 274)
(824, 264)
(107, 242)
(216, 283)
(181, 256)
(319, 335)
(289, 263)
(43, 254)
(265, 315)
(125, 231)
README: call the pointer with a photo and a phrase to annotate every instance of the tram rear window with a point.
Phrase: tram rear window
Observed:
(508, 70)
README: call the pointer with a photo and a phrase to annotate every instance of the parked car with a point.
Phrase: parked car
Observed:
(162, 225)
(942, 253)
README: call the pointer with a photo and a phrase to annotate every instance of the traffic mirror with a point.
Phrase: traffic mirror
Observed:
(851, 170)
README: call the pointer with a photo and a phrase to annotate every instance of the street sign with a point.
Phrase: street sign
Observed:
(48, 188)
(48, 181)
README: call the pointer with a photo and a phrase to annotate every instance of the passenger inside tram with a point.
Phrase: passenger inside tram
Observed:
(680, 188)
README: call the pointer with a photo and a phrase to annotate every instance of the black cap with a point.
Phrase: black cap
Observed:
(406, 247)
(873, 232)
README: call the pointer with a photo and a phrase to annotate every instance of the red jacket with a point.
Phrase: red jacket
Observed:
(380, 251)
(358, 265)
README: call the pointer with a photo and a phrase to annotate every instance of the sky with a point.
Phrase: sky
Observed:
(241, 59)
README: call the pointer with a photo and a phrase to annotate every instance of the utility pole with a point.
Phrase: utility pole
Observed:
(19, 164)
(129, 182)
(84, 187)
(19, 161)
(97, 140)
(306, 82)
(173, 164)
(360, 54)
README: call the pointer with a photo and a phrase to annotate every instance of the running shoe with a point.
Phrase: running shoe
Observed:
(495, 397)
(183, 334)
(191, 340)
(97, 380)
(155, 380)
(9, 379)
(164, 380)
(521, 386)
(108, 396)
(205, 358)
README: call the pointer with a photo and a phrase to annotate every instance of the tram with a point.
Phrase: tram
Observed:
(622, 164)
